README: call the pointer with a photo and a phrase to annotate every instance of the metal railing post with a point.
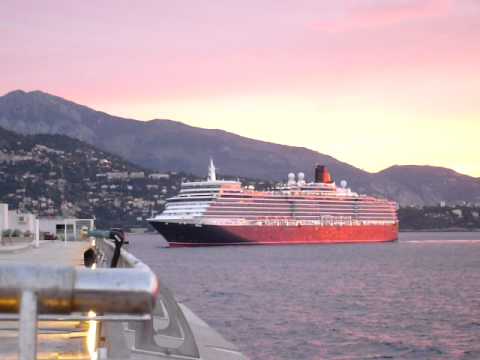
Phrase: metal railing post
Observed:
(28, 326)
(37, 233)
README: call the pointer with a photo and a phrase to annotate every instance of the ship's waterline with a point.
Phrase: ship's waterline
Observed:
(214, 235)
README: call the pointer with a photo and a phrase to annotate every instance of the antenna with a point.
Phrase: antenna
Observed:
(211, 172)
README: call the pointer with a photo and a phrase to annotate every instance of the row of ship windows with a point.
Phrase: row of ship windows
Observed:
(326, 205)
(322, 207)
(278, 218)
(289, 207)
(298, 211)
(277, 213)
(289, 202)
(241, 190)
(279, 196)
(306, 222)
(267, 197)
(324, 211)
(183, 216)
(250, 217)
(245, 195)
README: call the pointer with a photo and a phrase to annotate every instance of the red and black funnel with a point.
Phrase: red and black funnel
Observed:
(322, 175)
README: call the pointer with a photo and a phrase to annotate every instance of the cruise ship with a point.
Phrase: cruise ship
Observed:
(223, 212)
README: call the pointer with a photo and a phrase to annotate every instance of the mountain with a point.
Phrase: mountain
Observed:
(159, 144)
(434, 184)
(168, 145)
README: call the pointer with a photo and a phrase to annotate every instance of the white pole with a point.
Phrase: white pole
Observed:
(37, 233)
(65, 233)
(27, 342)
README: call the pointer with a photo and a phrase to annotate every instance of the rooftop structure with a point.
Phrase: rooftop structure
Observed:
(61, 227)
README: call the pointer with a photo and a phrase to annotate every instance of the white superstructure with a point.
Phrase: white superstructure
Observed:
(317, 203)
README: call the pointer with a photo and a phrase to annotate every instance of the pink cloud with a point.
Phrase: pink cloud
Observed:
(381, 14)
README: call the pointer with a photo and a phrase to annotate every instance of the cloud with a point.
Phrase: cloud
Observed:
(377, 14)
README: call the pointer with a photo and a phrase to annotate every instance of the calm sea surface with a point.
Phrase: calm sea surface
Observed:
(418, 298)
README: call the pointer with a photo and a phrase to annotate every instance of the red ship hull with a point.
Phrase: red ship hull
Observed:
(212, 235)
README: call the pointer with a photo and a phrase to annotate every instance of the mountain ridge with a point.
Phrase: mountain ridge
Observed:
(169, 145)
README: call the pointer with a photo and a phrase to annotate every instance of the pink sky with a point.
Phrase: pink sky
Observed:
(398, 79)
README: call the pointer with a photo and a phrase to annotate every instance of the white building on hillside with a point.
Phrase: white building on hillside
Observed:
(16, 220)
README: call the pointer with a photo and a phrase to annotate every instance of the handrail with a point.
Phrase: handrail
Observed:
(63, 289)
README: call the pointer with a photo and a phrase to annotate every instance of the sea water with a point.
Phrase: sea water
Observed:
(417, 298)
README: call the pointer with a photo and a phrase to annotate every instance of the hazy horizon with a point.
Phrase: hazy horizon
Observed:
(371, 83)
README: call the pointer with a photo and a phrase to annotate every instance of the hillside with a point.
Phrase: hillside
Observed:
(440, 218)
(55, 175)
(166, 145)
(52, 175)
(434, 184)
(159, 144)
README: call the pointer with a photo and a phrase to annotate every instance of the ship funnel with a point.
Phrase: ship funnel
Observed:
(322, 175)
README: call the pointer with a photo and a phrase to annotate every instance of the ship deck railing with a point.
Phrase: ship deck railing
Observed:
(293, 221)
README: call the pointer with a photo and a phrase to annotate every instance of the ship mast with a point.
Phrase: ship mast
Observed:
(211, 172)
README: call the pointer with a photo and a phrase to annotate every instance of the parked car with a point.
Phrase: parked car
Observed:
(49, 236)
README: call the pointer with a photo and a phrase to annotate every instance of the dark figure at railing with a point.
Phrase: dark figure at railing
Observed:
(118, 237)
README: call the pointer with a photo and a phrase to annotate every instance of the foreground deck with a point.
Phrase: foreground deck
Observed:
(169, 331)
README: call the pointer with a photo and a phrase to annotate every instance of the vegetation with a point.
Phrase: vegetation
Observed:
(460, 217)
(16, 233)
(13, 235)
